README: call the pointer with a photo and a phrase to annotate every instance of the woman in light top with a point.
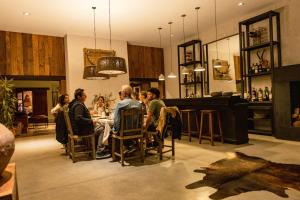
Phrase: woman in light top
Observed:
(99, 107)
(62, 100)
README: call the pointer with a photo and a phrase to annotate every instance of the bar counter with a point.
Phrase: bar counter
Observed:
(234, 115)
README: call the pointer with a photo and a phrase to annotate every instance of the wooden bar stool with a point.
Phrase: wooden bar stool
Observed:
(189, 113)
(210, 136)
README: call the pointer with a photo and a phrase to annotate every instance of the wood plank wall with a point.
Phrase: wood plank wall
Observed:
(31, 55)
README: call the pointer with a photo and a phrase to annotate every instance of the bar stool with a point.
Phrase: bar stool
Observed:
(189, 113)
(210, 136)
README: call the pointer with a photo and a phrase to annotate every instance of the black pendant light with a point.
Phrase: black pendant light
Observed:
(161, 76)
(199, 67)
(218, 62)
(90, 71)
(111, 65)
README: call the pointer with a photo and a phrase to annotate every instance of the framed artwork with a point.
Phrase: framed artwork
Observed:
(91, 55)
(221, 73)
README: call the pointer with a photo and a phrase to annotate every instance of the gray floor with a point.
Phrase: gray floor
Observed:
(45, 173)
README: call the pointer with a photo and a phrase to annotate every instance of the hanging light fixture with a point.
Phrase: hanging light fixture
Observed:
(199, 67)
(161, 76)
(90, 71)
(171, 75)
(185, 70)
(111, 65)
(218, 62)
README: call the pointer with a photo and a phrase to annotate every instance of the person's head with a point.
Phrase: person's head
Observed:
(80, 95)
(101, 99)
(126, 91)
(63, 99)
(136, 96)
(153, 93)
(143, 95)
(120, 95)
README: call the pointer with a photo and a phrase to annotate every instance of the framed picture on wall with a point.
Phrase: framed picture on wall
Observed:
(221, 73)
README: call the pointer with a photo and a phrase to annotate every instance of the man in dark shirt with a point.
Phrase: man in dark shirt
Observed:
(82, 123)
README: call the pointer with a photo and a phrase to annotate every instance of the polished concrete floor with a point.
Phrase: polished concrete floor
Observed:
(44, 172)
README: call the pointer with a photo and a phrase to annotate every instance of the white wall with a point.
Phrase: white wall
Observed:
(290, 38)
(75, 64)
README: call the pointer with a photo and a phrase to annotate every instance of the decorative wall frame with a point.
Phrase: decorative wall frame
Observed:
(221, 73)
(91, 55)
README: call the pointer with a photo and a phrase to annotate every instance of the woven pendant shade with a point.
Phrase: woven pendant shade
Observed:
(91, 73)
(111, 65)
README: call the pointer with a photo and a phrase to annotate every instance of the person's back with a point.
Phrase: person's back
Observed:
(154, 107)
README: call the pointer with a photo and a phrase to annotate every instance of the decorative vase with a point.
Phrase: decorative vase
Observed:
(7, 147)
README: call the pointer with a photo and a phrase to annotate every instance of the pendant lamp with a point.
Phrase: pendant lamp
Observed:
(185, 70)
(90, 71)
(161, 76)
(171, 75)
(199, 67)
(111, 65)
(217, 63)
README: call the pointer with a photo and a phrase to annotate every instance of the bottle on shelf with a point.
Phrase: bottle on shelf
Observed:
(256, 69)
(185, 79)
(267, 94)
(254, 95)
(260, 94)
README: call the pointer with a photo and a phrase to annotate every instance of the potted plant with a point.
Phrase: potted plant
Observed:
(7, 110)
(7, 103)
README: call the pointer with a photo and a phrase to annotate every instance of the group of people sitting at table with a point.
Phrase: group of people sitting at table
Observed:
(82, 122)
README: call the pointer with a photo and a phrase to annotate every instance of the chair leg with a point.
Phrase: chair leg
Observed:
(122, 152)
(220, 127)
(173, 148)
(113, 149)
(142, 148)
(93, 147)
(211, 129)
(73, 150)
(160, 148)
(201, 127)
(189, 127)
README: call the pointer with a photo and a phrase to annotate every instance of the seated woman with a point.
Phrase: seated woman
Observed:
(100, 106)
(57, 111)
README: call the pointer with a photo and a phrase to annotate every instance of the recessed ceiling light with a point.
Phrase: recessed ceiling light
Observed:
(241, 4)
(26, 13)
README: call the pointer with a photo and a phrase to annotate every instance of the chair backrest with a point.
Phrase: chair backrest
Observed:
(67, 120)
(131, 122)
(165, 118)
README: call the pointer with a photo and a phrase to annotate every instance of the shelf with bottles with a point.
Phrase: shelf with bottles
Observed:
(260, 95)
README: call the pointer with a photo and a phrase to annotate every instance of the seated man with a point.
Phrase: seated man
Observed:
(155, 104)
(126, 103)
(82, 123)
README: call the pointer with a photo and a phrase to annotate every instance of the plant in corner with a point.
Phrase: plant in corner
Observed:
(7, 102)
(7, 111)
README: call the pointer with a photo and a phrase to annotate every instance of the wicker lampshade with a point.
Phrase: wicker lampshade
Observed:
(111, 65)
(91, 73)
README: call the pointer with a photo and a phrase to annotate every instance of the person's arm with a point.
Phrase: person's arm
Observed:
(56, 109)
(117, 119)
(149, 115)
(78, 115)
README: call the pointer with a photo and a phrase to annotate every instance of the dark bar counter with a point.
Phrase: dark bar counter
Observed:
(234, 115)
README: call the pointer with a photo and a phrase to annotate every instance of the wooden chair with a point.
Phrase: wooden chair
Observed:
(79, 145)
(131, 129)
(159, 137)
(210, 136)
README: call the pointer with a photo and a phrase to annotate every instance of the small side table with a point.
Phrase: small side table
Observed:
(8, 183)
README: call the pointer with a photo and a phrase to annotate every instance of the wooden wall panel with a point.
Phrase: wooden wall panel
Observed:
(145, 62)
(31, 55)
(2, 53)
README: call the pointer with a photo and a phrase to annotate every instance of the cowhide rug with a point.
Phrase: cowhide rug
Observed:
(241, 173)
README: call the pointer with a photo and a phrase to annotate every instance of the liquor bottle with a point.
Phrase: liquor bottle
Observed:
(185, 79)
(260, 94)
(256, 69)
(254, 94)
(267, 94)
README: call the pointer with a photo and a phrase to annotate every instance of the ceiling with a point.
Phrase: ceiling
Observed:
(132, 20)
